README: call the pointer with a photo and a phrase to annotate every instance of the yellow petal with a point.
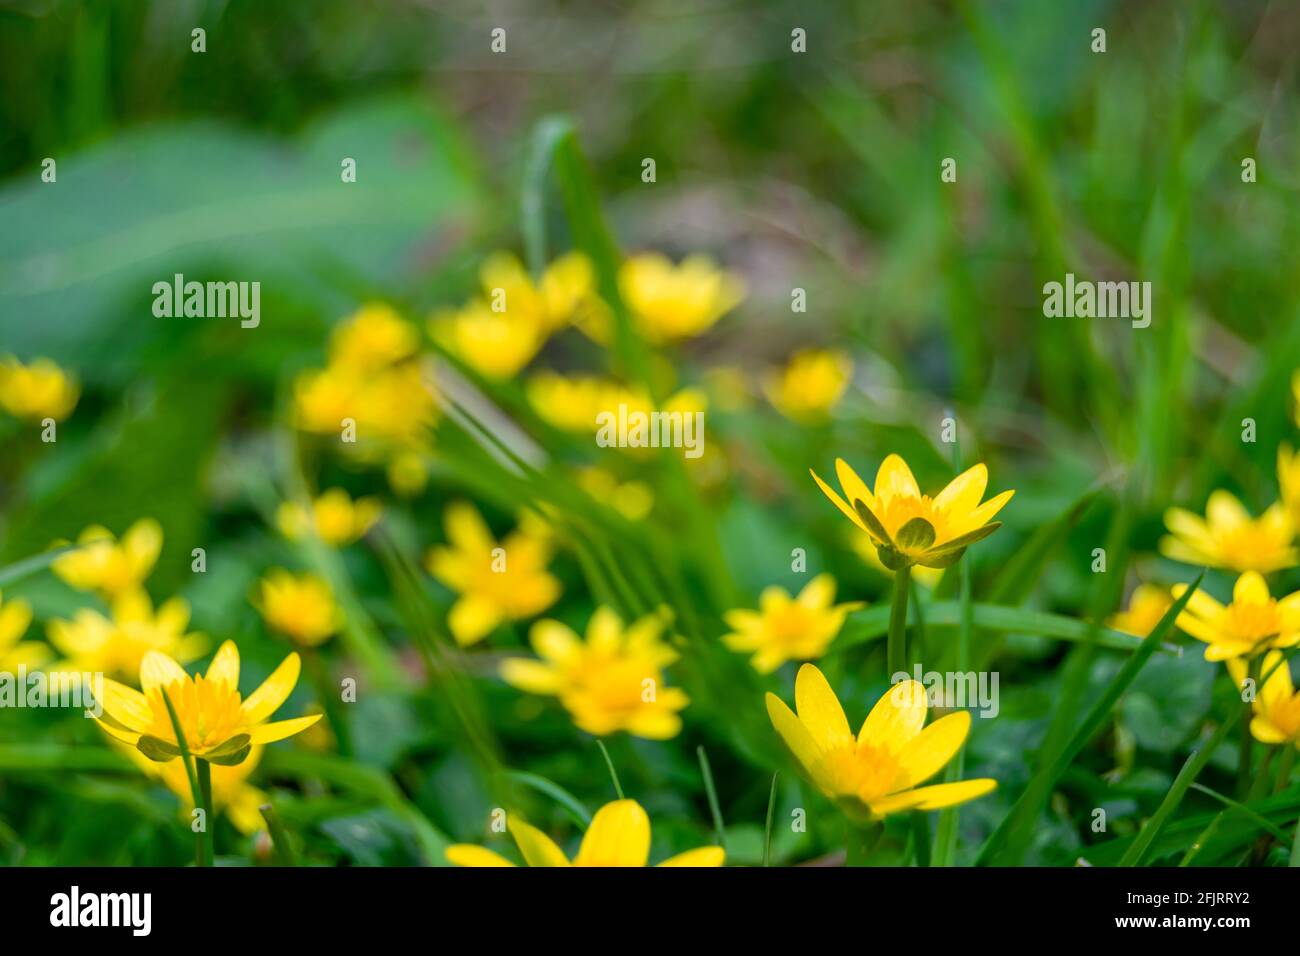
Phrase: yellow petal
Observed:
(619, 835)
(854, 487)
(793, 731)
(963, 493)
(846, 508)
(280, 729)
(929, 752)
(1251, 588)
(897, 717)
(275, 690)
(225, 665)
(554, 641)
(466, 854)
(818, 593)
(1224, 511)
(126, 736)
(819, 709)
(466, 528)
(538, 849)
(703, 856)
(127, 706)
(473, 618)
(894, 479)
(159, 670)
(933, 798)
(534, 677)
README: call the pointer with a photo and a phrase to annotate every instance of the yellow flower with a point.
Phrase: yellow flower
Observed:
(1288, 479)
(219, 725)
(670, 302)
(336, 518)
(619, 835)
(373, 338)
(37, 391)
(788, 629)
(910, 528)
(496, 582)
(15, 618)
(1228, 537)
(231, 791)
(865, 548)
(300, 606)
(1146, 607)
(495, 344)
(1276, 705)
(876, 773)
(116, 645)
(1252, 623)
(632, 499)
(612, 681)
(811, 384)
(102, 563)
(567, 290)
(574, 404)
(407, 473)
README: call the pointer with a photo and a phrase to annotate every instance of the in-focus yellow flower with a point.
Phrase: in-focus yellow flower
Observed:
(37, 391)
(878, 772)
(670, 302)
(496, 582)
(811, 384)
(619, 835)
(1276, 704)
(632, 499)
(612, 681)
(1228, 537)
(336, 518)
(300, 606)
(1288, 479)
(102, 563)
(910, 528)
(1254, 621)
(231, 791)
(786, 628)
(15, 618)
(1146, 607)
(116, 645)
(219, 725)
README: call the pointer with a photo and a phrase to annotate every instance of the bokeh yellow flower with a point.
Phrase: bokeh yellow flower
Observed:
(497, 582)
(15, 618)
(1146, 607)
(232, 794)
(335, 517)
(879, 771)
(672, 302)
(565, 293)
(300, 606)
(219, 725)
(788, 629)
(495, 344)
(1252, 623)
(619, 835)
(1228, 537)
(574, 403)
(37, 391)
(1288, 479)
(612, 681)
(104, 564)
(810, 385)
(116, 645)
(1276, 705)
(910, 528)
(372, 339)
(632, 499)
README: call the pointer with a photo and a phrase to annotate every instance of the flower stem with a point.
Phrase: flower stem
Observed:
(897, 648)
(204, 770)
(1246, 748)
(863, 838)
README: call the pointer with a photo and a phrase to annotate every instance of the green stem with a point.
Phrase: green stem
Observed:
(204, 771)
(1284, 768)
(284, 855)
(863, 839)
(767, 829)
(190, 765)
(613, 774)
(1245, 749)
(715, 809)
(896, 653)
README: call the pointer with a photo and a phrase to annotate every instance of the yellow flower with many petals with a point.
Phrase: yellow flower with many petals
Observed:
(15, 618)
(219, 725)
(811, 384)
(37, 391)
(104, 564)
(672, 302)
(619, 835)
(879, 771)
(1228, 537)
(1254, 622)
(612, 681)
(116, 645)
(1288, 479)
(1277, 705)
(497, 582)
(335, 517)
(300, 606)
(231, 791)
(1146, 607)
(788, 629)
(910, 528)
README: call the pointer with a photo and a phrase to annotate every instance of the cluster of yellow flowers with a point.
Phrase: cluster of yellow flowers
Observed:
(36, 391)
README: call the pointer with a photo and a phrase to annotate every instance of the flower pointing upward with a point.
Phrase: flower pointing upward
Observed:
(910, 528)
(219, 726)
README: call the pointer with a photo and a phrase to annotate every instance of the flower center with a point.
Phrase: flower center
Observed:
(208, 712)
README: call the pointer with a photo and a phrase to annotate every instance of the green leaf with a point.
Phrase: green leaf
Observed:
(157, 749)
(232, 759)
(869, 517)
(29, 566)
(916, 535)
